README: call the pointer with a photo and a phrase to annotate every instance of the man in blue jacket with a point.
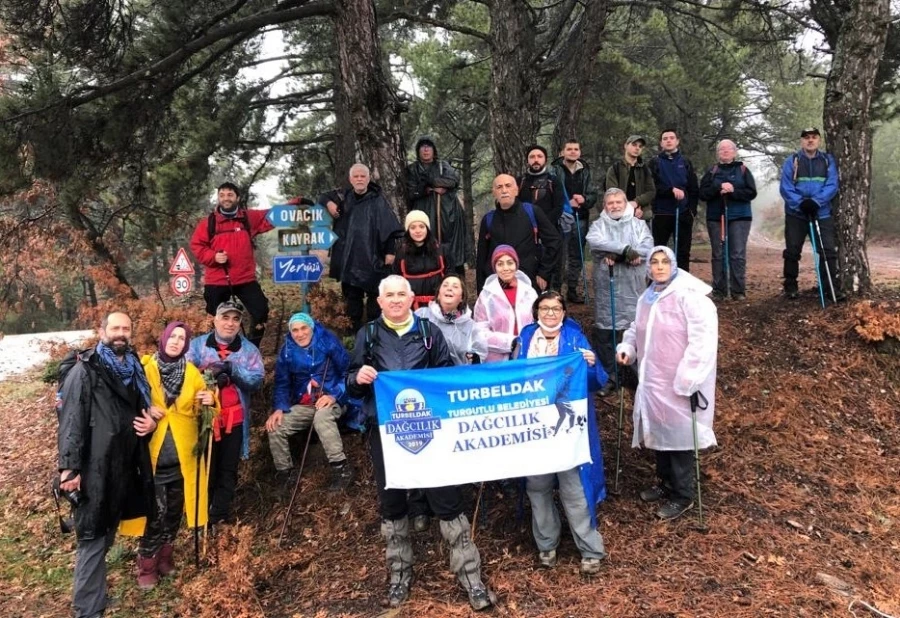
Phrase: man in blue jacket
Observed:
(677, 194)
(309, 390)
(809, 182)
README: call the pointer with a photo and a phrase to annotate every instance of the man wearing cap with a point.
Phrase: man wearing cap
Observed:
(431, 187)
(632, 175)
(809, 183)
(368, 229)
(575, 179)
(540, 186)
(524, 227)
(309, 390)
(237, 367)
(223, 243)
(677, 194)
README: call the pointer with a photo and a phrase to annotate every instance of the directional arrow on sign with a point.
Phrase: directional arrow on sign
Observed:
(304, 238)
(289, 215)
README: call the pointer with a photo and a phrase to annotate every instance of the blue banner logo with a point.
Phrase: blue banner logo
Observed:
(412, 423)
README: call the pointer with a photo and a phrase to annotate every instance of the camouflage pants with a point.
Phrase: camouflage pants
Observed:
(324, 421)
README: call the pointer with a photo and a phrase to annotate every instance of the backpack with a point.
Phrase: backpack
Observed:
(241, 217)
(796, 165)
(715, 169)
(372, 337)
(529, 210)
(65, 366)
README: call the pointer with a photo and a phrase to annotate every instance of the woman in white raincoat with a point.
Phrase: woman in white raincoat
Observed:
(621, 244)
(503, 308)
(674, 339)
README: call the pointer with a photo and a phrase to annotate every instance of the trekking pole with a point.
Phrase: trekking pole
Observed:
(677, 223)
(287, 514)
(197, 514)
(695, 404)
(612, 307)
(440, 234)
(584, 283)
(816, 264)
(827, 268)
(725, 258)
(475, 514)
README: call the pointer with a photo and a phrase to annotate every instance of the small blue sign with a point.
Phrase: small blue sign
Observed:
(296, 269)
(304, 238)
(289, 215)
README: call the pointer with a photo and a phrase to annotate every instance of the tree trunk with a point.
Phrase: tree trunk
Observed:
(468, 148)
(370, 99)
(516, 86)
(847, 114)
(576, 77)
(344, 144)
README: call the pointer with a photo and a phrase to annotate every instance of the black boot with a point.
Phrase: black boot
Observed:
(341, 477)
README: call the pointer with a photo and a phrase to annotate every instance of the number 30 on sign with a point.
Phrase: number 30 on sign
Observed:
(181, 284)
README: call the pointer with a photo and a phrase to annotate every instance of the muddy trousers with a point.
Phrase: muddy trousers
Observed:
(89, 594)
(324, 421)
(545, 521)
(170, 509)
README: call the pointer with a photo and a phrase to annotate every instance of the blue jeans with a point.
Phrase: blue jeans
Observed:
(738, 232)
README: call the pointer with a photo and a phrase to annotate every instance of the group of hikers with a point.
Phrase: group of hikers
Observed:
(129, 437)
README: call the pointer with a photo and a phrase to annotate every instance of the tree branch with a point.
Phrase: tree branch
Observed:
(437, 23)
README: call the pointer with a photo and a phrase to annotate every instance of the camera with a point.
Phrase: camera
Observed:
(75, 498)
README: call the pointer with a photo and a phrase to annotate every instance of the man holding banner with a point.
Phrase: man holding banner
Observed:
(398, 341)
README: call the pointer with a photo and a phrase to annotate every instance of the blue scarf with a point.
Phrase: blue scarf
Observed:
(127, 370)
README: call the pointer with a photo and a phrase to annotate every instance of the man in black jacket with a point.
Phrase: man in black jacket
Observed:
(575, 178)
(540, 186)
(367, 229)
(525, 228)
(431, 187)
(104, 455)
(398, 342)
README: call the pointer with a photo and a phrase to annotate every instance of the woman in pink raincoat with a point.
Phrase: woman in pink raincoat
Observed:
(674, 339)
(503, 308)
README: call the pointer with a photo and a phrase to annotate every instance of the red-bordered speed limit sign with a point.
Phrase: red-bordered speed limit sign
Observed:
(181, 284)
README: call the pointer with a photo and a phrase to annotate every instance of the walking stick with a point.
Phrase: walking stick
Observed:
(816, 264)
(695, 403)
(440, 233)
(475, 514)
(612, 306)
(677, 223)
(725, 257)
(287, 514)
(584, 283)
(827, 268)
(197, 515)
(209, 445)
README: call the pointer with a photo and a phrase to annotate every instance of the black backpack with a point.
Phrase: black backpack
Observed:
(65, 366)
(241, 217)
(372, 337)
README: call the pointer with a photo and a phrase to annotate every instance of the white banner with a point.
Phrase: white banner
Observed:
(473, 423)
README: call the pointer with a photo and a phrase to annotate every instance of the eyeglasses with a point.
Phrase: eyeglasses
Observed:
(550, 310)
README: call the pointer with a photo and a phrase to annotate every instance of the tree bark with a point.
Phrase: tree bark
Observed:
(370, 99)
(858, 46)
(516, 86)
(468, 153)
(576, 77)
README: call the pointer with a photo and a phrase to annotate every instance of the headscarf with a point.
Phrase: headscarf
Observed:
(655, 289)
(172, 368)
(127, 370)
(302, 317)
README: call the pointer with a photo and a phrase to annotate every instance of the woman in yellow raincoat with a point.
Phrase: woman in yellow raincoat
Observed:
(177, 391)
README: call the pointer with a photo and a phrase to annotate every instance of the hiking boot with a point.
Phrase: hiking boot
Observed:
(575, 298)
(591, 566)
(739, 297)
(147, 574)
(397, 594)
(607, 390)
(286, 478)
(547, 558)
(481, 597)
(165, 564)
(674, 508)
(791, 292)
(655, 493)
(421, 523)
(341, 476)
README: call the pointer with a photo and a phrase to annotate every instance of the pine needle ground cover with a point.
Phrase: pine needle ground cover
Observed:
(801, 500)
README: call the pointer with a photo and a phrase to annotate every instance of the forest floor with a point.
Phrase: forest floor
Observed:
(801, 501)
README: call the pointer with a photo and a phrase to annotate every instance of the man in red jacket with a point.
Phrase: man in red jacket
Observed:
(223, 243)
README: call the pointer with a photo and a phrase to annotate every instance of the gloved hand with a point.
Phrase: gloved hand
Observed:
(809, 208)
(628, 254)
(220, 367)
